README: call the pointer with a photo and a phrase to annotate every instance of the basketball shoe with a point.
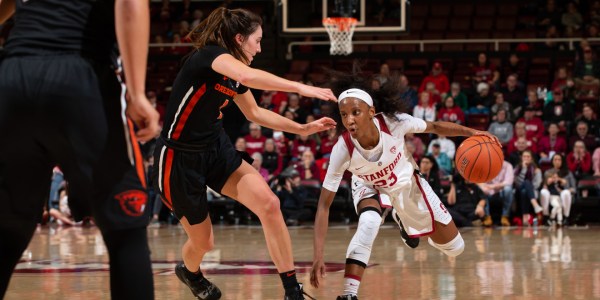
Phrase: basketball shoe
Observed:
(198, 284)
(297, 293)
(410, 242)
(347, 297)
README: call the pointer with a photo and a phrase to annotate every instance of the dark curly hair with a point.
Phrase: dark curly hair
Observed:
(386, 100)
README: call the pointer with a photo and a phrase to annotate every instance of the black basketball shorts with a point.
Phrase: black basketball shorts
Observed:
(181, 176)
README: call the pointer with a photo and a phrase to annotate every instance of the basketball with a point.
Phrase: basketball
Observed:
(479, 159)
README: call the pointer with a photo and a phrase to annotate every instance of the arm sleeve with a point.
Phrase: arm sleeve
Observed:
(339, 162)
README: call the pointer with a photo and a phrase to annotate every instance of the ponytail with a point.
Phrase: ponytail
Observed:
(221, 28)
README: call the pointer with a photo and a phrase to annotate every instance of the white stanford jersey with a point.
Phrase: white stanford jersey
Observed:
(390, 174)
(391, 171)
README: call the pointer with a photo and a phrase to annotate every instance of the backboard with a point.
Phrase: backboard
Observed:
(304, 17)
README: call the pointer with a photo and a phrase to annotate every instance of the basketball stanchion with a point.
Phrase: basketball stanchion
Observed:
(340, 32)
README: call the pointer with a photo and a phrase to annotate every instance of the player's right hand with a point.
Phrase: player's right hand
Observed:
(145, 117)
(317, 92)
(317, 272)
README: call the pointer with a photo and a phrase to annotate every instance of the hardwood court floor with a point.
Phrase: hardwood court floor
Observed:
(70, 263)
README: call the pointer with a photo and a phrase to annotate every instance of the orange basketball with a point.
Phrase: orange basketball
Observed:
(479, 159)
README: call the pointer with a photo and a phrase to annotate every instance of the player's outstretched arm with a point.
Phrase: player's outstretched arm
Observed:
(269, 119)
(7, 9)
(132, 23)
(321, 224)
(229, 66)
(453, 129)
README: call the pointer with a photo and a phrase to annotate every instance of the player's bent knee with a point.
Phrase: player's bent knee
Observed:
(269, 206)
(360, 246)
(453, 248)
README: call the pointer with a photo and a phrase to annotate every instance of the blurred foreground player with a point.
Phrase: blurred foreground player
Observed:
(61, 103)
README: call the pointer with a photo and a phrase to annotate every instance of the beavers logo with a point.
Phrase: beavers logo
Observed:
(132, 202)
(393, 150)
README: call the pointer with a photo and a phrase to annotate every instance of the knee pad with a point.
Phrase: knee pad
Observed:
(360, 246)
(453, 248)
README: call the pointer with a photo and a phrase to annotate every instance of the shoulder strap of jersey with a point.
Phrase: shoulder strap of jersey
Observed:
(382, 123)
(348, 141)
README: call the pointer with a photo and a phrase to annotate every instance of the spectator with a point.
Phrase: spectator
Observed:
(502, 128)
(512, 92)
(587, 70)
(293, 105)
(447, 146)
(292, 195)
(272, 160)
(307, 167)
(521, 132)
(459, 97)
(278, 100)
(559, 182)
(520, 146)
(582, 134)
(301, 144)
(255, 141)
(533, 125)
(257, 164)
(197, 15)
(485, 72)
(266, 101)
(588, 116)
(240, 144)
(549, 16)
(451, 113)
(558, 111)
(596, 161)
(502, 187)
(534, 102)
(443, 161)
(384, 74)
(327, 143)
(424, 110)
(417, 143)
(572, 19)
(407, 92)
(184, 28)
(528, 179)
(431, 172)
(439, 80)
(550, 43)
(282, 144)
(292, 116)
(579, 161)
(592, 31)
(375, 84)
(500, 104)
(551, 144)
(562, 80)
(481, 103)
(466, 202)
(515, 66)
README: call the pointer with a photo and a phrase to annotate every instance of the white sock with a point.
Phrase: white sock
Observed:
(351, 285)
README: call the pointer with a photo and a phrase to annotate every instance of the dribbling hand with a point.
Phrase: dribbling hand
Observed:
(317, 272)
(489, 135)
(145, 117)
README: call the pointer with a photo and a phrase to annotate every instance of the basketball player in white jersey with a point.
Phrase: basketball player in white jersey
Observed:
(384, 174)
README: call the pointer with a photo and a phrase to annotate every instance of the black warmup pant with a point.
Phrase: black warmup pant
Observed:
(67, 111)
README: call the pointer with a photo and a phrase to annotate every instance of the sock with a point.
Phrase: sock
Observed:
(197, 274)
(351, 284)
(289, 280)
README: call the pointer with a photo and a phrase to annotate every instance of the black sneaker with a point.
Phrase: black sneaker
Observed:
(347, 297)
(198, 284)
(296, 294)
(410, 242)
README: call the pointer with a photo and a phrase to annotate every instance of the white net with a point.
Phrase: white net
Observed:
(340, 32)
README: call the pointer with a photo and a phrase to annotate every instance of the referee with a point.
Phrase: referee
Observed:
(62, 103)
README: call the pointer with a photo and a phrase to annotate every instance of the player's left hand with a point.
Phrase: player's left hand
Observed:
(145, 117)
(317, 272)
(319, 125)
(489, 135)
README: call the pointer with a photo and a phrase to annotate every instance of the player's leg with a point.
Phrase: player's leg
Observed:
(359, 249)
(249, 188)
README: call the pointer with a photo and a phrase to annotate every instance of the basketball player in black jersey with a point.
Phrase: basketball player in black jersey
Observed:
(194, 152)
(61, 103)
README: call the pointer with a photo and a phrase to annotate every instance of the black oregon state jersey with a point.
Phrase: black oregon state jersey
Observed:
(56, 26)
(199, 93)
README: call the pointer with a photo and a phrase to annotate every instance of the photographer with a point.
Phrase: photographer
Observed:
(291, 194)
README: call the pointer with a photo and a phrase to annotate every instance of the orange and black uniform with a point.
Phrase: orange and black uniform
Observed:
(193, 151)
(61, 103)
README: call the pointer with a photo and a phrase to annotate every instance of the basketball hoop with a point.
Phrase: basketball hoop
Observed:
(340, 32)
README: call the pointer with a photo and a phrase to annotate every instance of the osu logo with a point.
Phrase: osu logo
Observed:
(132, 202)
(393, 150)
